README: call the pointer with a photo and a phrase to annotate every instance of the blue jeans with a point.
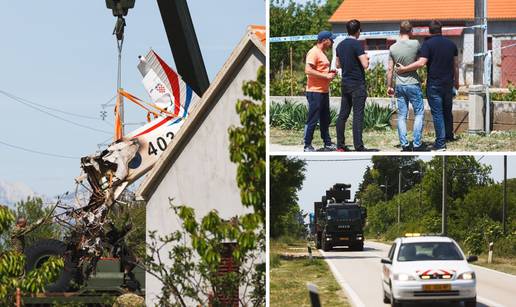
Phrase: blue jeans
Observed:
(318, 111)
(440, 99)
(410, 93)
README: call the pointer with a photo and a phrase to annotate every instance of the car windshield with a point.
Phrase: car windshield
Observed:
(428, 251)
(345, 214)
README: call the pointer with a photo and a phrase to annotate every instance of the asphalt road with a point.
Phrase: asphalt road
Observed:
(358, 273)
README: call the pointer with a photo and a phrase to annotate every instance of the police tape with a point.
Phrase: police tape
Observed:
(297, 38)
(491, 51)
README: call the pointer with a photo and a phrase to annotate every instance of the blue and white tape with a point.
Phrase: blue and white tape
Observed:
(298, 38)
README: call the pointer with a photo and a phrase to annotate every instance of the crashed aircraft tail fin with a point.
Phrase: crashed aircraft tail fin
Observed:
(165, 87)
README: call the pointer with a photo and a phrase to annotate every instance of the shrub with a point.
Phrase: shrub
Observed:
(275, 260)
(511, 96)
(290, 116)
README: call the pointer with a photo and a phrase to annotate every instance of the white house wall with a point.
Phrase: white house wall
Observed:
(202, 176)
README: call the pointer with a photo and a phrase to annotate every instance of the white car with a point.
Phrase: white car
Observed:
(427, 268)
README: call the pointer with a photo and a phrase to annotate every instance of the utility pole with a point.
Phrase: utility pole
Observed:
(478, 59)
(291, 75)
(504, 210)
(399, 194)
(477, 94)
(444, 228)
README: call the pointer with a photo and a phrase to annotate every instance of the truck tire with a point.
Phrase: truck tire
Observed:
(471, 303)
(360, 246)
(325, 245)
(40, 251)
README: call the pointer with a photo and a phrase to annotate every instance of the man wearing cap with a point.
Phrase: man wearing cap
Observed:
(318, 76)
(353, 60)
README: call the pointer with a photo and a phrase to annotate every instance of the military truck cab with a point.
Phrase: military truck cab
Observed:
(339, 221)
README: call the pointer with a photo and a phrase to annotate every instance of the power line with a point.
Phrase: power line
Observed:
(47, 107)
(338, 160)
(53, 115)
(38, 152)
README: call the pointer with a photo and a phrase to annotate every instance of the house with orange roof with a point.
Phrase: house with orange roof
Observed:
(386, 15)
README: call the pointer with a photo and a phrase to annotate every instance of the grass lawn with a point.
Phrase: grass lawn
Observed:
(388, 140)
(288, 278)
(507, 265)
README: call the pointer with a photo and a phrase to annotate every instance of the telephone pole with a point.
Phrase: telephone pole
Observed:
(444, 228)
(504, 210)
(479, 117)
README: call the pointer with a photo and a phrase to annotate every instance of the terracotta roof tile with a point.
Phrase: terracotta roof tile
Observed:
(396, 10)
(259, 32)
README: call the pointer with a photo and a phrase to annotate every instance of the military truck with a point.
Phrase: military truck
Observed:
(338, 220)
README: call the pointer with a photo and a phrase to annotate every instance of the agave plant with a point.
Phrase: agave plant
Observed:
(290, 116)
(377, 117)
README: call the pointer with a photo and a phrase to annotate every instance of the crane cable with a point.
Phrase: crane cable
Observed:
(118, 31)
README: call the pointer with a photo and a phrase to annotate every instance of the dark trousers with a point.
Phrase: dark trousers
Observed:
(447, 110)
(440, 99)
(318, 111)
(352, 98)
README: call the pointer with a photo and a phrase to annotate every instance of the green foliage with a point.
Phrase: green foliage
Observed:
(286, 179)
(287, 84)
(483, 232)
(372, 195)
(464, 173)
(247, 145)
(511, 96)
(377, 117)
(275, 260)
(292, 18)
(474, 203)
(12, 268)
(290, 115)
(195, 253)
(33, 210)
(385, 171)
(134, 213)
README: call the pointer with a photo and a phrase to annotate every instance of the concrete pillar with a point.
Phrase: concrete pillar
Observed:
(476, 109)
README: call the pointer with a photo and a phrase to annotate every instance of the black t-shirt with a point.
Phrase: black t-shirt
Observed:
(348, 52)
(440, 52)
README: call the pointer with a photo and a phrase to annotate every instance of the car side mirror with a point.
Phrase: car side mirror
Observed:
(472, 258)
(386, 261)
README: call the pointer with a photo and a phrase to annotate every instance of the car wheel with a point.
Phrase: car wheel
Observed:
(394, 302)
(386, 300)
(471, 303)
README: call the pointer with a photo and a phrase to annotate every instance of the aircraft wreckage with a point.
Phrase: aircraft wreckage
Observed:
(106, 174)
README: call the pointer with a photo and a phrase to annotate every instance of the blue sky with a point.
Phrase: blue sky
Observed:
(62, 54)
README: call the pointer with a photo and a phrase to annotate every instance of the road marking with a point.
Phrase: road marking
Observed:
(351, 294)
(488, 302)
